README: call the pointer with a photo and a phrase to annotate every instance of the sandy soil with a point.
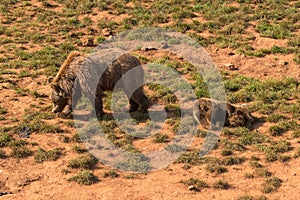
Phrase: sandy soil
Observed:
(26, 179)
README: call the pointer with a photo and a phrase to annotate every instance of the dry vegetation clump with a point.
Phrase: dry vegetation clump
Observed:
(85, 178)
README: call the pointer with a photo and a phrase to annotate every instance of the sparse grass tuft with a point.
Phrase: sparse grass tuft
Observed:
(87, 161)
(249, 197)
(281, 146)
(296, 133)
(112, 174)
(65, 171)
(76, 138)
(276, 130)
(255, 164)
(274, 118)
(246, 197)
(129, 176)
(221, 184)
(20, 152)
(137, 163)
(85, 178)
(79, 149)
(262, 172)
(42, 155)
(191, 157)
(197, 183)
(232, 160)
(5, 139)
(161, 138)
(216, 168)
(271, 156)
(253, 137)
(249, 176)
(271, 185)
(284, 158)
(226, 152)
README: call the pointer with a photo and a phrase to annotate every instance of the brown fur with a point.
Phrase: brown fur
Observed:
(66, 64)
(234, 115)
(88, 71)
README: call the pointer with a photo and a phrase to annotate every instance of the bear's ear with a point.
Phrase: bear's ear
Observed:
(50, 79)
(54, 86)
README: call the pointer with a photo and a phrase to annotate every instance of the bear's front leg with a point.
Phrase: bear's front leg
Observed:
(99, 107)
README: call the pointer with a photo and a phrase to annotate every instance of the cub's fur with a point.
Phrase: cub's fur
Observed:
(234, 115)
(88, 70)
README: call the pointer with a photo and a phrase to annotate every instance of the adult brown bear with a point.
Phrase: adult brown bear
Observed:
(94, 77)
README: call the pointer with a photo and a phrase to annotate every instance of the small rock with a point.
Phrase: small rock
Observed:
(283, 63)
(231, 53)
(148, 48)
(164, 45)
(4, 193)
(110, 38)
(24, 133)
(106, 32)
(193, 188)
(64, 139)
(74, 35)
(92, 31)
(230, 66)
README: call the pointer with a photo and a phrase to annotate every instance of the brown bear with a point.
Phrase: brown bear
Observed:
(234, 115)
(84, 70)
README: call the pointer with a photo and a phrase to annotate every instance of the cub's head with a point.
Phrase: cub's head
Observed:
(57, 97)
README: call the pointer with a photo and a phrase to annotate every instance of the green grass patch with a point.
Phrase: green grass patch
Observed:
(274, 118)
(111, 173)
(85, 178)
(79, 149)
(5, 139)
(216, 168)
(20, 152)
(271, 185)
(233, 160)
(221, 184)
(199, 184)
(226, 152)
(161, 138)
(262, 172)
(249, 197)
(189, 157)
(87, 161)
(136, 163)
(42, 155)
(276, 31)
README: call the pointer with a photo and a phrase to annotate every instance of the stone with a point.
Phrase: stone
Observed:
(164, 45)
(148, 48)
(193, 188)
(230, 66)
(283, 63)
(106, 32)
